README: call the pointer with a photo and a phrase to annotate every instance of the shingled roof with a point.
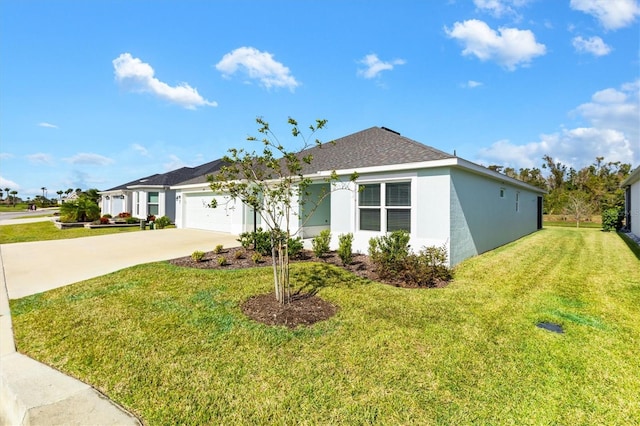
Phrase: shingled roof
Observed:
(376, 146)
(173, 177)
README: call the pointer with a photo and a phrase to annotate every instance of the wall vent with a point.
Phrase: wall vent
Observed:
(389, 130)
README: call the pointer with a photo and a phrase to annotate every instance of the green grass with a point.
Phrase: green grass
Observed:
(173, 346)
(43, 231)
(569, 224)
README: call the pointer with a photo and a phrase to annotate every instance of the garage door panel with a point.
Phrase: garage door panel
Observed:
(200, 215)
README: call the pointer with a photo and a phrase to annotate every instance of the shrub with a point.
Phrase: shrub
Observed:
(197, 255)
(107, 215)
(612, 219)
(162, 222)
(256, 257)
(104, 220)
(124, 215)
(82, 209)
(261, 242)
(222, 261)
(151, 218)
(345, 252)
(239, 254)
(389, 252)
(131, 220)
(427, 267)
(320, 243)
(218, 249)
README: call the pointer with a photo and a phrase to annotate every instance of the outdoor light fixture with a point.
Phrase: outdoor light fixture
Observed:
(106, 197)
(178, 197)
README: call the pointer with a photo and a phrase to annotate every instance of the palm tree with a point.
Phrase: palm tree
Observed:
(14, 193)
(7, 191)
(60, 195)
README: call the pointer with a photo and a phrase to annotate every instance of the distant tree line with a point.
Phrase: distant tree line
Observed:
(594, 189)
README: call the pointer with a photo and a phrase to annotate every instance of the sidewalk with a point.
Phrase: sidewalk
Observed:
(32, 393)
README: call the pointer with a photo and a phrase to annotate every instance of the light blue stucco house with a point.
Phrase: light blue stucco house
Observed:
(439, 198)
(631, 187)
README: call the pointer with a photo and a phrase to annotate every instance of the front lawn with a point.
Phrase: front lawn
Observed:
(172, 345)
(42, 231)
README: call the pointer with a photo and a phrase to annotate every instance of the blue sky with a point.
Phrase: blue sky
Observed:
(94, 94)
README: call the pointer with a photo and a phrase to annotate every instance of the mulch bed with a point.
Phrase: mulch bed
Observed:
(304, 309)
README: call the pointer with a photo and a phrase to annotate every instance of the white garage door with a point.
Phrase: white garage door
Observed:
(199, 214)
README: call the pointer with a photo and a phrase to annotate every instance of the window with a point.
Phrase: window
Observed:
(369, 202)
(385, 203)
(517, 201)
(152, 203)
(501, 192)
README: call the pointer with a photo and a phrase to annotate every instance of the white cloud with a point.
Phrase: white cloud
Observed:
(138, 76)
(613, 133)
(509, 47)
(140, 149)
(47, 125)
(374, 66)
(174, 163)
(594, 45)
(5, 156)
(89, 159)
(258, 66)
(612, 14)
(499, 8)
(40, 158)
(471, 84)
(7, 183)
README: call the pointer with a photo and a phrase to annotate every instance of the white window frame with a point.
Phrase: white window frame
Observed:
(149, 203)
(383, 207)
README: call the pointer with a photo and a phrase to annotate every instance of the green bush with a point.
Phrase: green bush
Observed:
(320, 243)
(389, 252)
(263, 241)
(612, 219)
(82, 209)
(197, 255)
(132, 220)
(222, 261)
(259, 240)
(256, 257)
(218, 249)
(345, 251)
(162, 222)
(428, 267)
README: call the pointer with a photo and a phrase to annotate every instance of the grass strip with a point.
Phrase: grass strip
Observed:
(44, 231)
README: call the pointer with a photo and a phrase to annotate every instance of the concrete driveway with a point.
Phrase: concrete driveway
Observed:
(35, 267)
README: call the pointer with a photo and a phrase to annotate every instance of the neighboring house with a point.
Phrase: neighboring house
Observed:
(631, 187)
(151, 195)
(440, 199)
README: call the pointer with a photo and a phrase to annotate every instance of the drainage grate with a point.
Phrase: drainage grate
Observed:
(556, 328)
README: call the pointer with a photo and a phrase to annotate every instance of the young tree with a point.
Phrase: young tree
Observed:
(578, 206)
(14, 197)
(271, 182)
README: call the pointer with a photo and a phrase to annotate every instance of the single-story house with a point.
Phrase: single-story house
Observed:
(151, 195)
(631, 187)
(439, 198)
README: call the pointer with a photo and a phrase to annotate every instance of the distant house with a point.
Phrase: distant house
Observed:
(151, 195)
(439, 198)
(631, 187)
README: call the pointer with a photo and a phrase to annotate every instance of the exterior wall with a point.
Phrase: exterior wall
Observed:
(429, 209)
(635, 207)
(482, 219)
(315, 214)
(432, 209)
